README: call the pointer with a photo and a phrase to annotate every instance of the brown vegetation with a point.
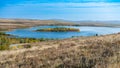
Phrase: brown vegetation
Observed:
(90, 52)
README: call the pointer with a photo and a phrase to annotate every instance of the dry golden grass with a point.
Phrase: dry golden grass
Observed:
(8, 24)
(89, 52)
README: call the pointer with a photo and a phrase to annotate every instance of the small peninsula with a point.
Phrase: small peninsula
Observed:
(59, 29)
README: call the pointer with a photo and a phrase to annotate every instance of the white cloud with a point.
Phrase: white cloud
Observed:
(71, 5)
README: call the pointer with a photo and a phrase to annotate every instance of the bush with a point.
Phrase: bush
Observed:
(27, 46)
(4, 47)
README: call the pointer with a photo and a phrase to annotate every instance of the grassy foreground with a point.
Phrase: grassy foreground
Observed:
(90, 52)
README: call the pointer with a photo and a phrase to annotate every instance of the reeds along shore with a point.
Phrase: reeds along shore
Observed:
(89, 52)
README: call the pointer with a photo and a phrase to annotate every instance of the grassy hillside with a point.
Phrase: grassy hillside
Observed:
(86, 52)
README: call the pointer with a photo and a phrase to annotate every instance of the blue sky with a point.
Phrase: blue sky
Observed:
(61, 9)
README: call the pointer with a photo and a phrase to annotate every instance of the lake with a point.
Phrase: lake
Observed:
(84, 31)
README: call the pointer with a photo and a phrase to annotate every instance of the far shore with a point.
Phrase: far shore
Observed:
(22, 23)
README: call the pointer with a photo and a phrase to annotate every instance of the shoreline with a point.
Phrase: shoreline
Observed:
(10, 29)
(61, 38)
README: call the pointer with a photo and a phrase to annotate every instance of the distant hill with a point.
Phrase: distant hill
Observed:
(22, 23)
(93, 23)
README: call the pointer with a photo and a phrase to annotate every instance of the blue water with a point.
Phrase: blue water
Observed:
(84, 31)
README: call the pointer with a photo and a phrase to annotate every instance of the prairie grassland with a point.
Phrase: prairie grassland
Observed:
(89, 52)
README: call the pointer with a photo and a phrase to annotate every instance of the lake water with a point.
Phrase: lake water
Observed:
(84, 31)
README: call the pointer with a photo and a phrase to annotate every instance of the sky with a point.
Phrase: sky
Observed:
(74, 10)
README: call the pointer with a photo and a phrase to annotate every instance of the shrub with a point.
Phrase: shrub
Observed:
(27, 46)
